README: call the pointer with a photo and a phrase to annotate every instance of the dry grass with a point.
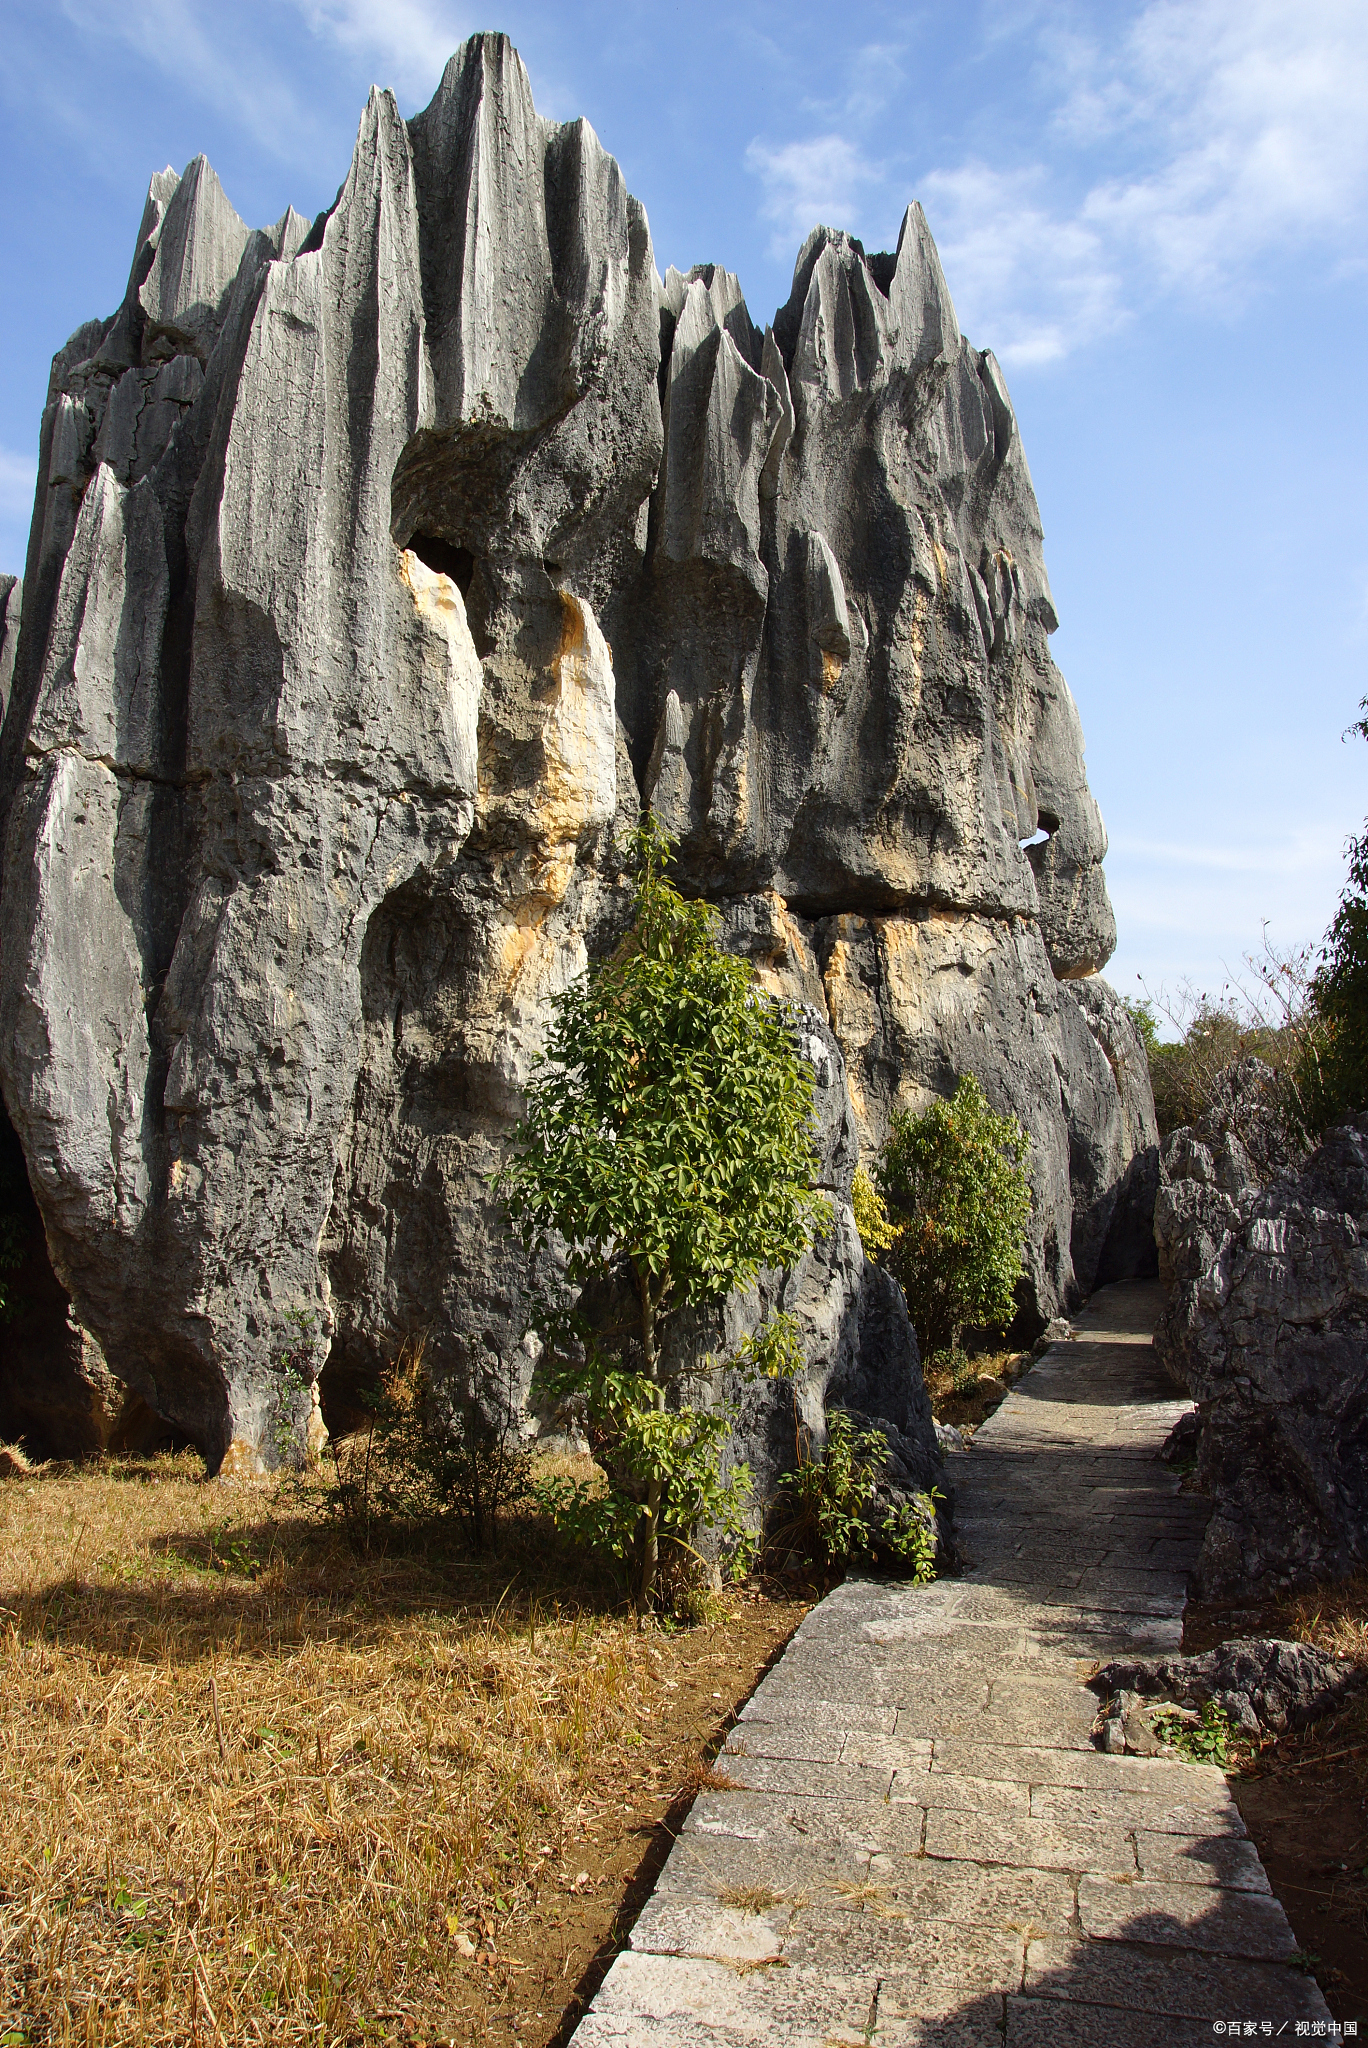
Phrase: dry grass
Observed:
(750, 1898)
(254, 1788)
(1334, 1618)
(952, 1383)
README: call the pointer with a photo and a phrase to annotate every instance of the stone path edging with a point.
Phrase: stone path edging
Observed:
(924, 1847)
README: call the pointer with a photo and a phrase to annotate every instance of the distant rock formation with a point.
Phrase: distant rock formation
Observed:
(380, 570)
(1266, 1326)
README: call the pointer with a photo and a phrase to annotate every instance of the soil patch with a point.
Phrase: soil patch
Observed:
(1304, 1796)
(255, 1786)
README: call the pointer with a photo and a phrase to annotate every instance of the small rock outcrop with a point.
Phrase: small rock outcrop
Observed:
(381, 568)
(1266, 1326)
(1263, 1685)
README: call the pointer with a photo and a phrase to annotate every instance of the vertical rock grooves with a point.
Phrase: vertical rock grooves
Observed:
(379, 571)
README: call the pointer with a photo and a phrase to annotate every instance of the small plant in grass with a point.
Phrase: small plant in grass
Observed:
(1203, 1741)
(667, 1146)
(427, 1457)
(957, 1191)
(831, 1509)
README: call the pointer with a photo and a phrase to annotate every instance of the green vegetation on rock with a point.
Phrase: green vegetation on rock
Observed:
(957, 1194)
(667, 1144)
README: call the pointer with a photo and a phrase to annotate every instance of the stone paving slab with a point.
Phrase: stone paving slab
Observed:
(1206, 1917)
(924, 1849)
(1045, 2023)
(1211, 1859)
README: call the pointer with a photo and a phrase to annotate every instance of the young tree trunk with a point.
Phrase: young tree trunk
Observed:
(650, 1549)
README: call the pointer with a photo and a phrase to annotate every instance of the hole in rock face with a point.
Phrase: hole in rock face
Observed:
(1047, 824)
(444, 559)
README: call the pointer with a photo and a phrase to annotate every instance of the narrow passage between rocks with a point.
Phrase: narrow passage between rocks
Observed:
(924, 1846)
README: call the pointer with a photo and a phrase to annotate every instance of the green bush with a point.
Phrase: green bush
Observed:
(667, 1146)
(877, 1233)
(958, 1195)
(830, 1509)
(1340, 990)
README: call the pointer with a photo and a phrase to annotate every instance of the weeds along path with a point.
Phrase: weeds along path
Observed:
(922, 1844)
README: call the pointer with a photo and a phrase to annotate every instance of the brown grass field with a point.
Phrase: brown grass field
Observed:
(257, 1788)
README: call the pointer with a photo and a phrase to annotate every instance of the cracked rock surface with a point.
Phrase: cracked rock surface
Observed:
(1266, 1327)
(1264, 1685)
(381, 568)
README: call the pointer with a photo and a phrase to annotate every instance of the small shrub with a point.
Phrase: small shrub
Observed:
(636, 1443)
(832, 1510)
(878, 1233)
(426, 1457)
(958, 1193)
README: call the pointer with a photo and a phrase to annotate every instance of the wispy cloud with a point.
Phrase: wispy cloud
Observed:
(1031, 282)
(212, 54)
(1256, 114)
(410, 40)
(1185, 148)
(1311, 849)
(807, 184)
(1197, 911)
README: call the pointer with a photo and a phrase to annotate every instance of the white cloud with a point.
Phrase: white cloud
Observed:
(18, 475)
(1256, 113)
(1032, 284)
(810, 184)
(1186, 146)
(410, 40)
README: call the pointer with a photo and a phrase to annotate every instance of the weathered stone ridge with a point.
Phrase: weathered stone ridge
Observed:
(1266, 1326)
(380, 570)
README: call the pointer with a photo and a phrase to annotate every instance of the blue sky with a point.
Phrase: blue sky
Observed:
(1155, 214)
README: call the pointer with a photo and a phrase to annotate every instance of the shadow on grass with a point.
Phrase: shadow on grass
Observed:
(660, 1840)
(288, 1578)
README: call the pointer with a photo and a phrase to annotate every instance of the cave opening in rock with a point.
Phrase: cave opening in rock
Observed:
(1047, 824)
(445, 559)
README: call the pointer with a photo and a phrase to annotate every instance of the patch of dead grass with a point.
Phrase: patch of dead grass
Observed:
(951, 1382)
(256, 1788)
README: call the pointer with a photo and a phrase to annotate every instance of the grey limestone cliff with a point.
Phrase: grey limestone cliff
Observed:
(380, 569)
(1266, 1326)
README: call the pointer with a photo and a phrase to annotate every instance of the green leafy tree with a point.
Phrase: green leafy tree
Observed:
(955, 1183)
(1340, 989)
(1341, 993)
(1140, 1010)
(667, 1143)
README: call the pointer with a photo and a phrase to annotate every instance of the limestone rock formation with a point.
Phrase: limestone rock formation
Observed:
(1262, 1684)
(380, 569)
(1266, 1327)
(11, 608)
(1113, 1138)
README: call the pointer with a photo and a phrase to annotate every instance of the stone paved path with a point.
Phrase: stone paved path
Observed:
(926, 1847)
